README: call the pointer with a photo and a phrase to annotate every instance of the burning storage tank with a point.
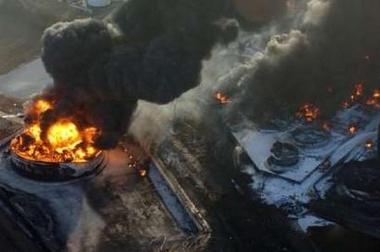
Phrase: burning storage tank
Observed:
(99, 75)
(56, 216)
(55, 171)
(59, 151)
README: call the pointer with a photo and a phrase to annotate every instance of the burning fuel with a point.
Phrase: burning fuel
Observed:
(352, 129)
(354, 97)
(309, 112)
(143, 172)
(374, 100)
(222, 98)
(358, 96)
(107, 67)
(376, 94)
(369, 144)
(62, 141)
(358, 91)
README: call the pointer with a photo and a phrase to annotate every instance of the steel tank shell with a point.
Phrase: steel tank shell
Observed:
(98, 3)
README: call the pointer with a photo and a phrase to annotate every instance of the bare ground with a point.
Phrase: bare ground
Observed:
(21, 27)
(22, 23)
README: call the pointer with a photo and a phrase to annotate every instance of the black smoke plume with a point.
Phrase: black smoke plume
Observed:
(150, 49)
(319, 62)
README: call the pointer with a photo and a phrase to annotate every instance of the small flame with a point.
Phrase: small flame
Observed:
(358, 90)
(222, 98)
(346, 105)
(309, 112)
(374, 100)
(42, 105)
(355, 96)
(143, 172)
(352, 129)
(133, 163)
(369, 144)
(376, 94)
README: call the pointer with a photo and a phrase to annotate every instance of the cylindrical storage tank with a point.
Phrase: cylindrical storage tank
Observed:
(98, 3)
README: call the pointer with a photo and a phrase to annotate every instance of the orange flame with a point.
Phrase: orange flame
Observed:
(134, 163)
(63, 134)
(63, 141)
(352, 129)
(222, 98)
(309, 112)
(374, 100)
(354, 97)
(358, 90)
(376, 94)
(369, 144)
(143, 172)
(41, 106)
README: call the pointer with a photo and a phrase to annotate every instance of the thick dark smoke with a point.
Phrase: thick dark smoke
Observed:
(69, 48)
(320, 62)
(100, 74)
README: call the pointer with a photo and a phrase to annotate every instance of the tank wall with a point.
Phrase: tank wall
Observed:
(98, 3)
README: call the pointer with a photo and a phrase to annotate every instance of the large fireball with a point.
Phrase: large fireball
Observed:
(62, 141)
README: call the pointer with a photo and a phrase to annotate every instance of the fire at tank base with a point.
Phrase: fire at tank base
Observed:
(128, 204)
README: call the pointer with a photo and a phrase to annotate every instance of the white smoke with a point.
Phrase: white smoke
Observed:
(316, 11)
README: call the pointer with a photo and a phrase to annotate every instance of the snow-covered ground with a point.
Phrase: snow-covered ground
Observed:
(308, 179)
(86, 213)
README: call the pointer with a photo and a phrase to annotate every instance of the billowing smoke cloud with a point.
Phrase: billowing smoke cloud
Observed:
(316, 11)
(333, 48)
(316, 53)
(69, 48)
(151, 50)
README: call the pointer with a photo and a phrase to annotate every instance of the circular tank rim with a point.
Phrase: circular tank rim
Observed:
(56, 172)
(98, 3)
